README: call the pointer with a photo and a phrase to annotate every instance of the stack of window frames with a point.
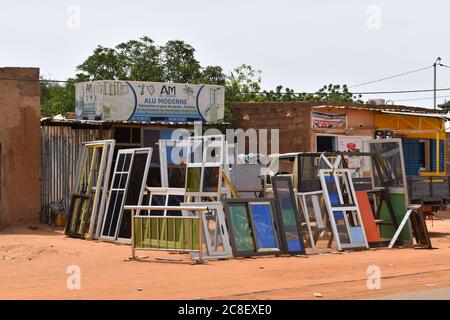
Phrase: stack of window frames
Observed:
(90, 190)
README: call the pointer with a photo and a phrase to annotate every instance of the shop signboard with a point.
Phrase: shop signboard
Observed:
(328, 121)
(149, 101)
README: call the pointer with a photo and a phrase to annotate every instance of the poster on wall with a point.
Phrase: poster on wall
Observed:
(329, 121)
(149, 101)
(354, 144)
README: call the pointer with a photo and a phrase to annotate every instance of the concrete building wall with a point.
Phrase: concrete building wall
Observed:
(20, 159)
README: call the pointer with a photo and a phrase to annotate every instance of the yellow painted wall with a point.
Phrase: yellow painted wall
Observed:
(411, 126)
(415, 127)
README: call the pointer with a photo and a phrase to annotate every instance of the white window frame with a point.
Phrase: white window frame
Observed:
(212, 252)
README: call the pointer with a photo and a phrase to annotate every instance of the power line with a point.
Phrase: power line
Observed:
(269, 92)
(416, 99)
(401, 91)
(25, 79)
(356, 93)
(390, 77)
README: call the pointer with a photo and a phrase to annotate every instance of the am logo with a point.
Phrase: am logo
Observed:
(168, 90)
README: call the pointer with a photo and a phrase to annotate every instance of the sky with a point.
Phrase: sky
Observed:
(298, 44)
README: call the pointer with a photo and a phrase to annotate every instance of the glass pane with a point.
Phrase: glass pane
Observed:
(341, 227)
(177, 177)
(120, 162)
(308, 177)
(175, 201)
(389, 157)
(211, 178)
(125, 226)
(136, 179)
(288, 215)
(112, 215)
(176, 155)
(126, 165)
(196, 152)
(264, 229)
(193, 179)
(241, 228)
(151, 139)
(123, 180)
(214, 235)
(158, 200)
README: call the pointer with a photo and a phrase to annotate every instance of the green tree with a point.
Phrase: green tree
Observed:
(212, 75)
(243, 84)
(445, 106)
(104, 63)
(336, 93)
(179, 63)
(56, 98)
(141, 60)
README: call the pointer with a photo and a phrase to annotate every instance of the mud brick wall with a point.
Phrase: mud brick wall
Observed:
(292, 119)
(20, 158)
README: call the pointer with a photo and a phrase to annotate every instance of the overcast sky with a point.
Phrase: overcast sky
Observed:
(299, 44)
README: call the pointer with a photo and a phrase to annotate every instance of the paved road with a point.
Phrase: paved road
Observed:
(433, 294)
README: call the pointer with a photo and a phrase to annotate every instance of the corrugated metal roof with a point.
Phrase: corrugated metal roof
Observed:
(413, 111)
(61, 121)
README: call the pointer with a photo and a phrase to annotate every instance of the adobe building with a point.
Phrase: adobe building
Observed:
(20, 151)
(318, 126)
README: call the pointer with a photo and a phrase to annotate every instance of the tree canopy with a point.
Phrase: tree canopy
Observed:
(175, 61)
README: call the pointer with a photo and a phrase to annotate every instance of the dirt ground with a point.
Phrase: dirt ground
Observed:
(34, 265)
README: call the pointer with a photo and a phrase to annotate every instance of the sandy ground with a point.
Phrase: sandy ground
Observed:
(34, 263)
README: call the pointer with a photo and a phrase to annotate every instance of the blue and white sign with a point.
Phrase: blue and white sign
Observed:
(149, 101)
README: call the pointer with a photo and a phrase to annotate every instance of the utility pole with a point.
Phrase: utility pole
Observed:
(438, 62)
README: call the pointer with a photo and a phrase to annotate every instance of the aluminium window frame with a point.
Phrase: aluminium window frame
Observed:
(100, 191)
(163, 154)
(335, 172)
(245, 202)
(149, 152)
(279, 215)
(206, 142)
(166, 192)
(117, 173)
(303, 206)
(133, 153)
(221, 228)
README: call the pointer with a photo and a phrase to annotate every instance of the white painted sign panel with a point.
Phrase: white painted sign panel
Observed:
(149, 101)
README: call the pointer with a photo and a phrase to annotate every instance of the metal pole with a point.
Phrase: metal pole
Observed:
(436, 63)
(434, 97)
(200, 236)
(133, 255)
